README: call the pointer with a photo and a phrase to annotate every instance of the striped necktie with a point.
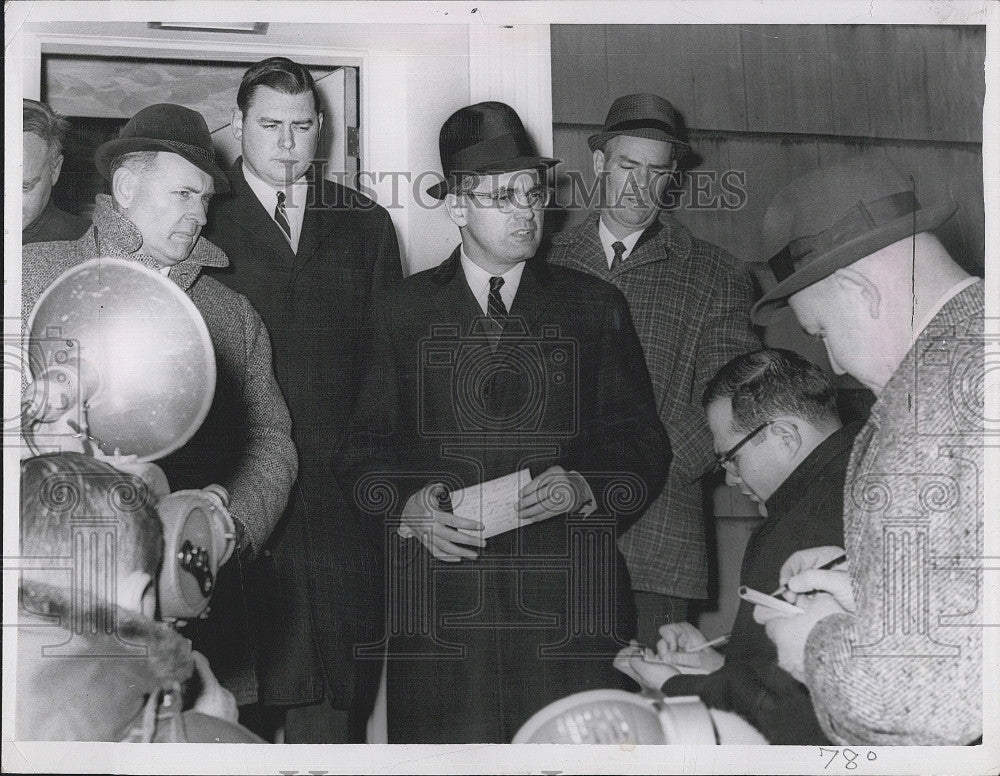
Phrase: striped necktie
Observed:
(619, 248)
(279, 215)
(495, 308)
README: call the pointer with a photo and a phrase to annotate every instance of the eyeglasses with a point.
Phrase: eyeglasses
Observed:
(721, 459)
(506, 200)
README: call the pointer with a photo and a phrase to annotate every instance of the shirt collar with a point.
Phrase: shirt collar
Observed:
(479, 280)
(268, 194)
(608, 239)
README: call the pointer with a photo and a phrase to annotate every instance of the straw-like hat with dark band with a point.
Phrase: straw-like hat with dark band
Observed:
(834, 216)
(170, 128)
(484, 139)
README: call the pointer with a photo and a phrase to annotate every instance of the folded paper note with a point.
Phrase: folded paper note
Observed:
(493, 503)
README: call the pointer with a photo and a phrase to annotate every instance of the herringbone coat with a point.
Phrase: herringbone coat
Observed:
(690, 302)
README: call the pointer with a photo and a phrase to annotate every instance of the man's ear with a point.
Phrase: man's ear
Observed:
(123, 187)
(137, 593)
(319, 121)
(598, 163)
(456, 206)
(788, 434)
(55, 167)
(856, 284)
(237, 124)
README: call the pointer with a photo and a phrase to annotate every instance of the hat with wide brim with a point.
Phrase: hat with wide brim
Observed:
(642, 115)
(172, 129)
(834, 216)
(487, 138)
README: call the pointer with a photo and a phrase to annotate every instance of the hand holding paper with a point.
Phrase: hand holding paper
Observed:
(443, 533)
(554, 492)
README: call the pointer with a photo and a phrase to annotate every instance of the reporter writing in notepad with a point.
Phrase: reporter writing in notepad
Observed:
(776, 432)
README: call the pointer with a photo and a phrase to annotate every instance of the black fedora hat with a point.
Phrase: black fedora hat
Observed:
(169, 128)
(641, 115)
(485, 138)
(834, 216)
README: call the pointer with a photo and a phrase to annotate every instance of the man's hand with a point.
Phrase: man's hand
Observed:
(553, 492)
(438, 530)
(801, 574)
(678, 637)
(214, 700)
(643, 666)
(789, 632)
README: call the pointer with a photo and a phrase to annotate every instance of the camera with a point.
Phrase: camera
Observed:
(521, 384)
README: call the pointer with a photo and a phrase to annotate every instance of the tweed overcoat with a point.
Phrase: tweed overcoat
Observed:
(478, 646)
(690, 302)
(319, 583)
(908, 667)
(244, 443)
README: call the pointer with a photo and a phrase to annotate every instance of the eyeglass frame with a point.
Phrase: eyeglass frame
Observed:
(512, 195)
(721, 459)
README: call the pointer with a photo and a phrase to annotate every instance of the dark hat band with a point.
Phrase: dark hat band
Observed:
(862, 218)
(625, 126)
(202, 153)
(486, 153)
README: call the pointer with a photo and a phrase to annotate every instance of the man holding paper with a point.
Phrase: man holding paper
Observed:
(508, 435)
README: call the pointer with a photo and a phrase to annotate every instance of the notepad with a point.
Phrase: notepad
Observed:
(494, 504)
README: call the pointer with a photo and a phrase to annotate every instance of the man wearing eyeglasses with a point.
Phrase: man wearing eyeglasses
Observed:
(488, 365)
(773, 417)
(690, 301)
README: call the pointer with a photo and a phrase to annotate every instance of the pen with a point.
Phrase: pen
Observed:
(825, 567)
(713, 643)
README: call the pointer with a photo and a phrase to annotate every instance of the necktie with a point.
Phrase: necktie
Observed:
(619, 249)
(495, 307)
(279, 215)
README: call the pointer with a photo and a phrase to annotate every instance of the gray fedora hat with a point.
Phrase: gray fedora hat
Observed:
(833, 216)
(641, 115)
(172, 129)
(484, 138)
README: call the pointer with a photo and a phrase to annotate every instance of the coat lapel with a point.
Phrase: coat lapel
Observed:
(252, 216)
(454, 298)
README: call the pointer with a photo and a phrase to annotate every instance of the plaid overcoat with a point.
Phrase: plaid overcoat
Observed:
(690, 303)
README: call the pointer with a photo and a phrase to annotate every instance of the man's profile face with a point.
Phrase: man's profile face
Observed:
(279, 133)
(635, 172)
(759, 466)
(168, 205)
(836, 315)
(41, 171)
(494, 239)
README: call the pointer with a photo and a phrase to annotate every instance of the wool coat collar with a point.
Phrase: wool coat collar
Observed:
(115, 235)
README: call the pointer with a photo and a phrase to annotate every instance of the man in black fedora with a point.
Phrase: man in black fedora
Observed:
(690, 301)
(491, 365)
(892, 650)
(163, 174)
(313, 267)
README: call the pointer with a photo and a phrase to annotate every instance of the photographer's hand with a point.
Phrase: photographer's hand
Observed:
(437, 529)
(554, 492)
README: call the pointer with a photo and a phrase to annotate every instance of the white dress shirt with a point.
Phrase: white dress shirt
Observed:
(296, 198)
(608, 239)
(479, 282)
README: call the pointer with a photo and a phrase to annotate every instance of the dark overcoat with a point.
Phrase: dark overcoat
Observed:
(319, 582)
(476, 647)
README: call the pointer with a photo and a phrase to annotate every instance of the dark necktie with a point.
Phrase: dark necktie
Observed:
(495, 307)
(619, 249)
(280, 217)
